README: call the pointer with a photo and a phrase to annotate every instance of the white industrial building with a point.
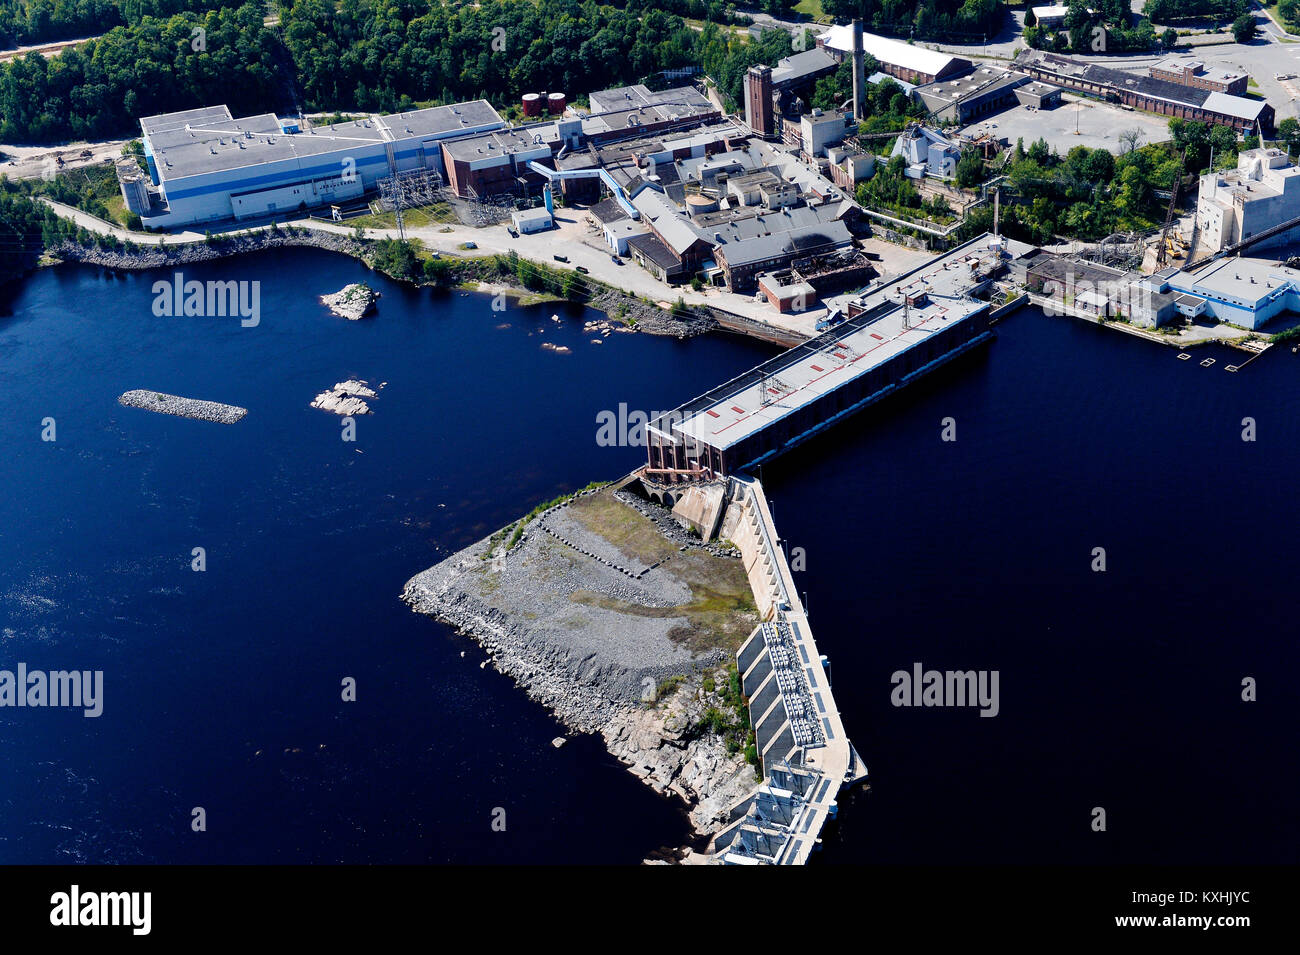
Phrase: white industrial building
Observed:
(205, 165)
(927, 152)
(822, 129)
(528, 221)
(1263, 191)
(904, 61)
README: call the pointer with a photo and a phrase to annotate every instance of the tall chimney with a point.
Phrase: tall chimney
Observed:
(859, 81)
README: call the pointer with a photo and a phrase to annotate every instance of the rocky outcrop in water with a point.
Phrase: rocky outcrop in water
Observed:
(352, 302)
(346, 398)
(182, 407)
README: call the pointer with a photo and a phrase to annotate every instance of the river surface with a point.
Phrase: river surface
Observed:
(223, 687)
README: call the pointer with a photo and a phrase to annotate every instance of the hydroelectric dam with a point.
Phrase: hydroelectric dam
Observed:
(699, 458)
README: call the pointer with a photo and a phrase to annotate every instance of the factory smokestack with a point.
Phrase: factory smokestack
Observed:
(859, 80)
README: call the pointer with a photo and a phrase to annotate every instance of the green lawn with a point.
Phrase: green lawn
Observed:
(1271, 6)
(810, 8)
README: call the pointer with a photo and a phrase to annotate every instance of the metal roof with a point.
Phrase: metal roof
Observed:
(893, 52)
(740, 408)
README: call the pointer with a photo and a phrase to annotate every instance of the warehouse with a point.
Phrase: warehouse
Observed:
(903, 61)
(987, 90)
(1038, 95)
(207, 166)
(1149, 93)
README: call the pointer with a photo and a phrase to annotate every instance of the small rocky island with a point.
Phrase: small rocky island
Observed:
(611, 612)
(347, 398)
(182, 407)
(352, 302)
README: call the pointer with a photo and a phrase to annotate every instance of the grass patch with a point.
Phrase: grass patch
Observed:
(668, 687)
(630, 532)
(545, 506)
(720, 614)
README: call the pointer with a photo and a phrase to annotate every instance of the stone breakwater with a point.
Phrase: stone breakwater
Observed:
(182, 407)
(603, 665)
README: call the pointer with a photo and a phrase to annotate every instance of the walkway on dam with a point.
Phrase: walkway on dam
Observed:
(781, 822)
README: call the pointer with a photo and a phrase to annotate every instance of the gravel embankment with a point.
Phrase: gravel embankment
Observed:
(593, 666)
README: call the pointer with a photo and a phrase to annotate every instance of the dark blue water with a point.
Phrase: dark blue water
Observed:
(1119, 690)
(223, 688)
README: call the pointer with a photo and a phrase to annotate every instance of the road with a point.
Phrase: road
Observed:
(572, 237)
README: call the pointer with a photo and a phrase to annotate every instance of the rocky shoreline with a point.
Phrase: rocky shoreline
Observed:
(156, 256)
(597, 669)
(624, 309)
(194, 408)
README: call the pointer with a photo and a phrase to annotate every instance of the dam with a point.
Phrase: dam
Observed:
(804, 753)
(805, 390)
(699, 459)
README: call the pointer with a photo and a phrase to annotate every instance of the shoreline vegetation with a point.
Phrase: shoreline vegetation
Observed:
(528, 282)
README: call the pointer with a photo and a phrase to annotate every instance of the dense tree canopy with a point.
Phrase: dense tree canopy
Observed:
(965, 20)
(97, 90)
(28, 22)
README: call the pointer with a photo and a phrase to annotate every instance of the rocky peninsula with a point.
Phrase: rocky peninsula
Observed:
(606, 610)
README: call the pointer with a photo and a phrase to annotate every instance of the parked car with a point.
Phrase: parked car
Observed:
(471, 245)
(513, 233)
(616, 260)
(560, 258)
(583, 269)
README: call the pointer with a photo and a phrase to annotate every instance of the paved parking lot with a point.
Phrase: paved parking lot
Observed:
(1099, 124)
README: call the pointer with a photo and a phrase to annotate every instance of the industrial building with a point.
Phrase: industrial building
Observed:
(743, 259)
(528, 221)
(1162, 96)
(927, 152)
(1079, 287)
(1038, 95)
(1051, 16)
(796, 74)
(760, 112)
(205, 165)
(1189, 72)
(820, 130)
(1239, 290)
(987, 90)
(1262, 192)
(915, 64)
(782, 402)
